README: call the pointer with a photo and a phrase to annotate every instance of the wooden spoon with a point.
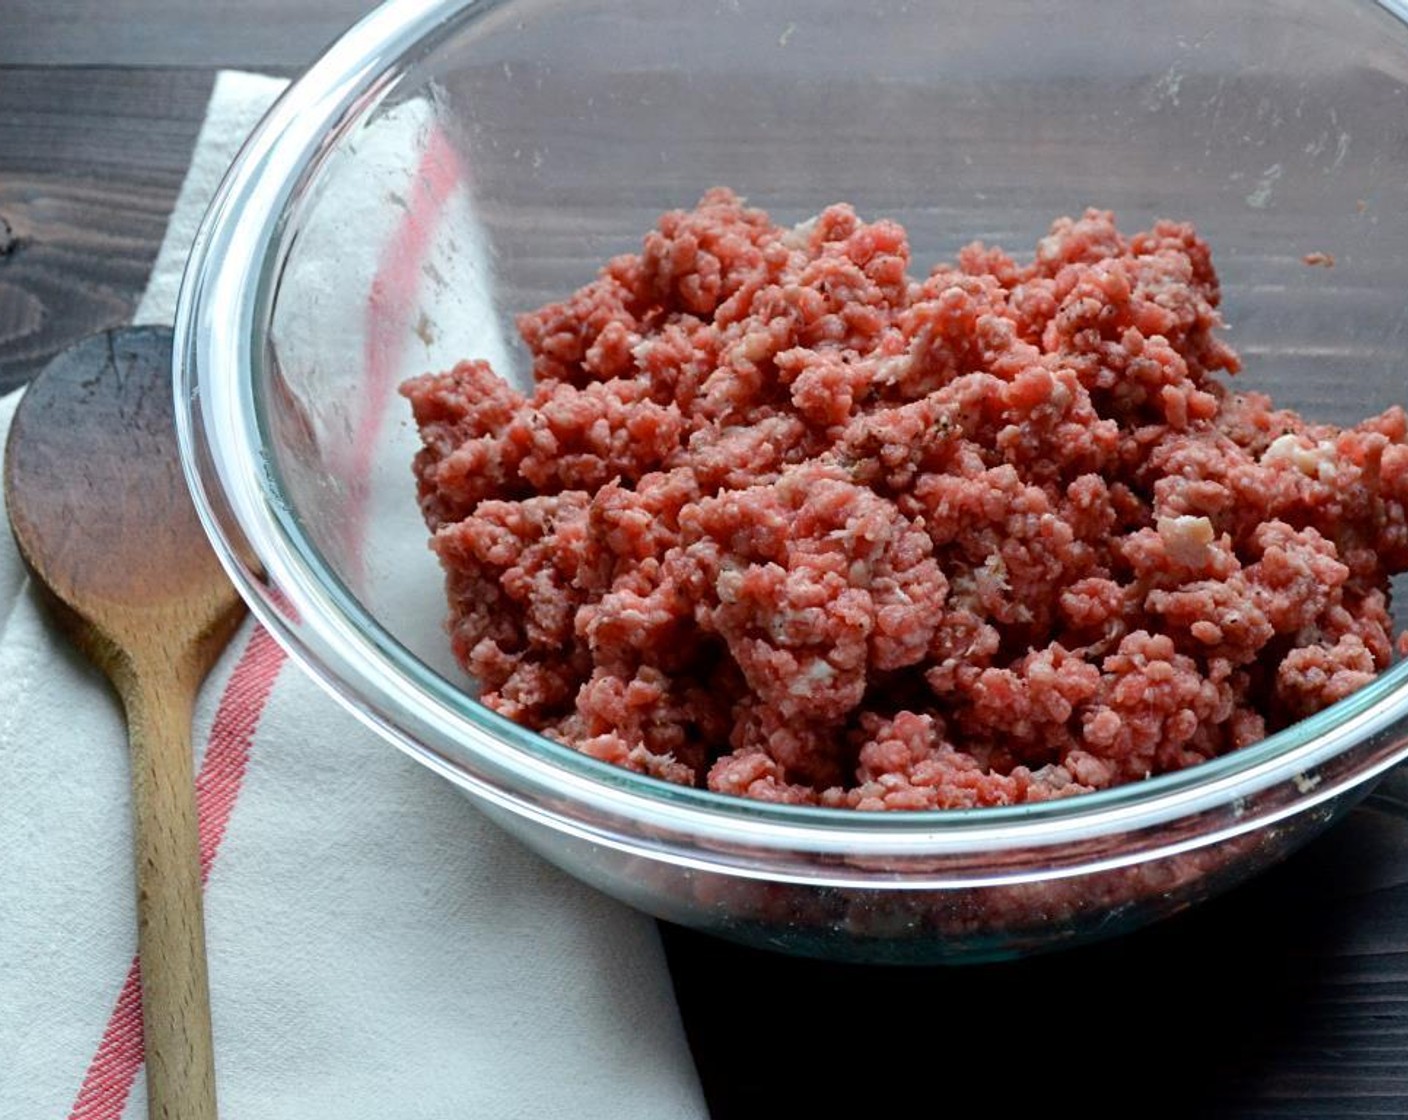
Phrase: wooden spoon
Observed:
(103, 519)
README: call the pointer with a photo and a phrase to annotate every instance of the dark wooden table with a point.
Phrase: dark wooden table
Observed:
(1287, 998)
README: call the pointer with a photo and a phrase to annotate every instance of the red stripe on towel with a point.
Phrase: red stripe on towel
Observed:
(114, 1067)
(110, 1074)
(395, 292)
(396, 286)
(231, 737)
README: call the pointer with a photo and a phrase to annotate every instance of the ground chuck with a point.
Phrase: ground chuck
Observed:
(781, 520)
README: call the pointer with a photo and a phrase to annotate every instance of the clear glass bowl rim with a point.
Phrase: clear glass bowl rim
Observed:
(224, 309)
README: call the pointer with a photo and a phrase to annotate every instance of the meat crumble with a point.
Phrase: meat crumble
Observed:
(782, 520)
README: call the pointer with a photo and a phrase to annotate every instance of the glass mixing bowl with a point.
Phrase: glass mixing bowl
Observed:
(448, 164)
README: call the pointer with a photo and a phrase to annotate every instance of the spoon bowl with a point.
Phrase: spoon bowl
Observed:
(104, 522)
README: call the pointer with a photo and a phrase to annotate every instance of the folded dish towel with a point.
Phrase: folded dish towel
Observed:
(377, 949)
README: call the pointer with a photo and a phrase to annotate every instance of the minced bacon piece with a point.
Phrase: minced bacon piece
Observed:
(780, 520)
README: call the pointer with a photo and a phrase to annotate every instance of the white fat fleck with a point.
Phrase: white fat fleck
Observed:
(753, 347)
(1306, 783)
(888, 371)
(799, 235)
(1281, 449)
(728, 585)
(1186, 539)
(1314, 462)
(996, 568)
(815, 673)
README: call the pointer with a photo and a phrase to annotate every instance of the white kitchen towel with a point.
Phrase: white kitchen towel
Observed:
(377, 949)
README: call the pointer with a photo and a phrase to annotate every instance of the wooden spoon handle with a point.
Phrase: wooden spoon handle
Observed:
(170, 926)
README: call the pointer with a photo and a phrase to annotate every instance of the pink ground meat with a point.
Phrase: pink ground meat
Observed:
(782, 520)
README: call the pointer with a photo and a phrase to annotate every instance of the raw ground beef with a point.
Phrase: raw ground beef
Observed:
(782, 520)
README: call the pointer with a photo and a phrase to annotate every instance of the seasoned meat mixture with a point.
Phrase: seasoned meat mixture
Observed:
(782, 520)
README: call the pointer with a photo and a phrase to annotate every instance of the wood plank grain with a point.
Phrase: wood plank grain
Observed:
(252, 34)
(91, 161)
